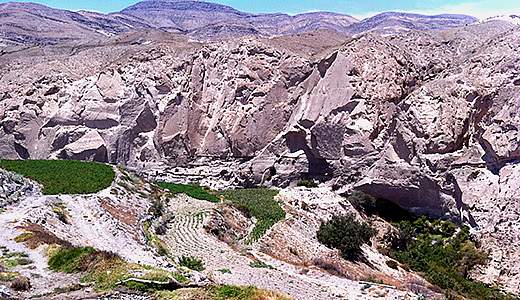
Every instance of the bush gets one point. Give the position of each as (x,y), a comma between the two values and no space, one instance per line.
(157,208)
(392,264)
(191,190)
(192,263)
(261,204)
(362,201)
(307,183)
(63,176)
(346,234)
(21,283)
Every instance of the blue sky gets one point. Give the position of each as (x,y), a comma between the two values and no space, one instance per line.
(357,8)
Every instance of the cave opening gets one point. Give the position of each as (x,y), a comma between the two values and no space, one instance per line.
(382,207)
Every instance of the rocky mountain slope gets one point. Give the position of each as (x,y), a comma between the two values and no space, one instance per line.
(28,23)
(425,119)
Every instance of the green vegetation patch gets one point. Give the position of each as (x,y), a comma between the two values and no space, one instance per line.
(444,254)
(260,265)
(63,176)
(261,204)
(192,263)
(11,263)
(346,234)
(70,260)
(191,190)
(307,183)
(10,260)
(225,292)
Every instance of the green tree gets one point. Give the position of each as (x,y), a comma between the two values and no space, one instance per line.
(346,234)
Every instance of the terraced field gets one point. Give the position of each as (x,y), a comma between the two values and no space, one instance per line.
(184,236)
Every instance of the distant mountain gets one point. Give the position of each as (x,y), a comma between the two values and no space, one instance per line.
(29,23)
(200,16)
(395,22)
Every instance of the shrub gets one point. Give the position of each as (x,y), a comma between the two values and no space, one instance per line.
(224,271)
(307,183)
(260,264)
(346,234)
(330,266)
(392,264)
(191,190)
(447,229)
(192,263)
(157,208)
(362,201)
(63,176)
(21,283)
(372,278)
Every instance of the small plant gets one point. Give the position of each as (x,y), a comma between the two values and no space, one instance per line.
(373,279)
(307,183)
(224,271)
(192,263)
(21,283)
(157,208)
(392,264)
(260,265)
(346,234)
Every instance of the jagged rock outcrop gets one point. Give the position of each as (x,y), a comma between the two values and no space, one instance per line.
(14,187)
(420,118)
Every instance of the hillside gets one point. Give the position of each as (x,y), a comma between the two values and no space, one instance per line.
(133,229)
(24,24)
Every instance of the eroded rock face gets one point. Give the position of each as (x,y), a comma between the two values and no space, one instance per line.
(415,118)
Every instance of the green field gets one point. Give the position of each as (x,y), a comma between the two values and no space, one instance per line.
(261,204)
(191,190)
(63,176)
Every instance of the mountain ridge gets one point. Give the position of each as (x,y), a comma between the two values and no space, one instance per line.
(30,23)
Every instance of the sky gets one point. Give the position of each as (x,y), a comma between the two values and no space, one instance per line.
(357,8)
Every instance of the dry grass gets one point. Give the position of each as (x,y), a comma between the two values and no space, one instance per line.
(36,235)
